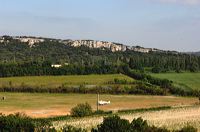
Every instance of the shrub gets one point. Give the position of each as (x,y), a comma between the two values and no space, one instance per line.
(101,112)
(69,128)
(22,123)
(16,123)
(156,69)
(188,129)
(113,124)
(156,129)
(138,125)
(81,110)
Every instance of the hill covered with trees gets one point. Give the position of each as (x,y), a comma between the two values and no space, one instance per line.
(18,59)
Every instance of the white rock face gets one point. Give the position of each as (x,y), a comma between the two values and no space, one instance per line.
(30,40)
(99,44)
(88,43)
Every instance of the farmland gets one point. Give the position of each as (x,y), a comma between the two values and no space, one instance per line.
(184,80)
(55,81)
(172,119)
(43,105)
(46,105)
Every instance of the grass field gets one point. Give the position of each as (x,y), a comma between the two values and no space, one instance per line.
(54,81)
(185,80)
(45,105)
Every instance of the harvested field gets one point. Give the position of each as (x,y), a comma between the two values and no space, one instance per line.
(171,119)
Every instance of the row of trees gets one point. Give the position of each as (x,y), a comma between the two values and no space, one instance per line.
(116,124)
(44,68)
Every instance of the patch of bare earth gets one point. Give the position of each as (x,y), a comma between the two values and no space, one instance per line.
(41,113)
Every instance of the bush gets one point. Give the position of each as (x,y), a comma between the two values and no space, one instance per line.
(69,128)
(101,112)
(113,124)
(16,123)
(22,123)
(156,69)
(188,129)
(81,110)
(138,125)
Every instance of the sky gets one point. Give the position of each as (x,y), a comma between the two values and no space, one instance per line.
(163,24)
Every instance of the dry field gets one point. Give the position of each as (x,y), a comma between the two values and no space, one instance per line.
(172,119)
(47,105)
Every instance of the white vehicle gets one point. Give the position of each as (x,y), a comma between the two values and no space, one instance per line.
(101,102)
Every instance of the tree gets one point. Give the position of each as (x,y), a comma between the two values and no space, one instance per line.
(138,125)
(194,67)
(116,124)
(81,110)
(156,69)
(113,124)
(188,129)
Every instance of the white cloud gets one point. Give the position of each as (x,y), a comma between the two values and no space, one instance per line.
(186,2)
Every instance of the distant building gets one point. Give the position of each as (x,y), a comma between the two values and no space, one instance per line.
(56,65)
(66,64)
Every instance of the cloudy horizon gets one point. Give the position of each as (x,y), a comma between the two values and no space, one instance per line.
(163,24)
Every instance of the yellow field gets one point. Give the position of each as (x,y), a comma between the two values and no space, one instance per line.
(173,119)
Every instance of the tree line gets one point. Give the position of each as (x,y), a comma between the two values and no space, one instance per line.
(45,68)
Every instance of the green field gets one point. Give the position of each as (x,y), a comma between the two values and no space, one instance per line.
(44,105)
(184,80)
(54,81)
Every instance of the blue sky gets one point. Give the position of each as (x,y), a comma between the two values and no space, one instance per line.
(164,24)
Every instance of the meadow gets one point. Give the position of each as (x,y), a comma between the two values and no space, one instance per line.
(183,80)
(55,81)
(47,105)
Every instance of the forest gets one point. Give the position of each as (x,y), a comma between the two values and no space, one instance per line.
(19,59)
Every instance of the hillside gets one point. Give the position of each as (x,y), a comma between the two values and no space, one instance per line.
(197,53)
(22,56)
(31,41)
(194,53)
